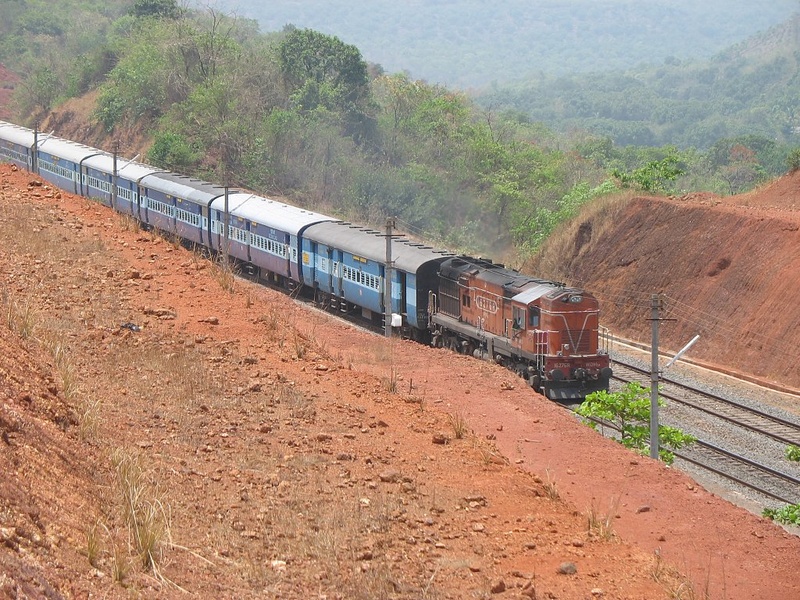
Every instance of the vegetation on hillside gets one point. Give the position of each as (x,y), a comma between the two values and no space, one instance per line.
(302,114)
(749,91)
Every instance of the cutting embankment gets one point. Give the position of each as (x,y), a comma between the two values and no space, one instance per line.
(728,269)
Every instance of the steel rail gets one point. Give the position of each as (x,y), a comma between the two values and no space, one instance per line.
(749,411)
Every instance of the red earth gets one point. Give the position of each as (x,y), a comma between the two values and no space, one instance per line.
(270,450)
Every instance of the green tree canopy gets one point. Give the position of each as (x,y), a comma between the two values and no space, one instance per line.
(322,71)
(155,8)
(628,412)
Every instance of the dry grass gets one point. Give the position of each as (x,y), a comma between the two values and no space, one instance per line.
(300,345)
(602,524)
(390,381)
(22,317)
(550,487)
(224,272)
(145,514)
(677,585)
(293,404)
(89,419)
(458,424)
(93,544)
(129,222)
(338,529)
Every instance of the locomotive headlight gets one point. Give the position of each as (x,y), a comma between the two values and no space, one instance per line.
(576,299)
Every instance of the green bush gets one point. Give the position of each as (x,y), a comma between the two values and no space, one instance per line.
(793,452)
(793,160)
(628,411)
(788,515)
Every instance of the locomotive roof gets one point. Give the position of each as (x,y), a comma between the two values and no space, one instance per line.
(182,186)
(16,134)
(272,213)
(533,293)
(368,243)
(516,285)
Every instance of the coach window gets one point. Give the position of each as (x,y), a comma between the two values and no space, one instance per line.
(533,316)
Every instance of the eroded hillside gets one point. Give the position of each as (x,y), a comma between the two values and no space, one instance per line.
(729,269)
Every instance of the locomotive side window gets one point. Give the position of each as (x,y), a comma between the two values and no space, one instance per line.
(465,300)
(533,316)
(519,317)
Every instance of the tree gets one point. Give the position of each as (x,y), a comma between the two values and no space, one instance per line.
(653,176)
(161,9)
(172,151)
(741,170)
(322,71)
(793,160)
(628,412)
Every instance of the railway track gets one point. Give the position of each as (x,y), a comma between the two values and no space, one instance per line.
(758,477)
(732,465)
(781,430)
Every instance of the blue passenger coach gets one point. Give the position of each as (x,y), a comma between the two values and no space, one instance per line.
(97,180)
(15,145)
(60,161)
(177,204)
(348,264)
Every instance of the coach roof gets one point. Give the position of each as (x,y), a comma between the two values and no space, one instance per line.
(271,213)
(368,243)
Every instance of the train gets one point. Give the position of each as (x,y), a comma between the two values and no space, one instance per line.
(546,332)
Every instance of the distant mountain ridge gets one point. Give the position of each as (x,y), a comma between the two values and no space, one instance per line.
(473,43)
(749,89)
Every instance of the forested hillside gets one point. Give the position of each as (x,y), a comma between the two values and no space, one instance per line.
(752,88)
(303,115)
(472,43)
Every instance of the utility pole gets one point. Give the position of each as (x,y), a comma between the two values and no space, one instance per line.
(226,223)
(34,166)
(114,177)
(387,279)
(656,305)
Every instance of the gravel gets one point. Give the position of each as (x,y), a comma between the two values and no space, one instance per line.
(758,448)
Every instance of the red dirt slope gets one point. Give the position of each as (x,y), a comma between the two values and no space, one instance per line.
(729,269)
(291,456)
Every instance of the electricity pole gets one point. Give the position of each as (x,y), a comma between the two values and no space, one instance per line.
(656,305)
(387,280)
(114,177)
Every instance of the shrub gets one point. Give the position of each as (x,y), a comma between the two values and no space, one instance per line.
(628,412)
(793,160)
(793,452)
(788,515)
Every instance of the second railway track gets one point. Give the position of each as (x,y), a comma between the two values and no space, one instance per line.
(741,441)
(783,430)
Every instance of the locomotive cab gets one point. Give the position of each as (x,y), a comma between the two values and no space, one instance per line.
(571,364)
